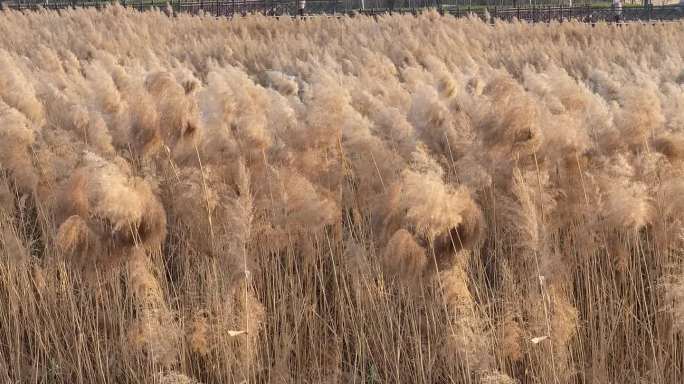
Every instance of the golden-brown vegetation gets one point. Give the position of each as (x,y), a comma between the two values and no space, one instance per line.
(402,200)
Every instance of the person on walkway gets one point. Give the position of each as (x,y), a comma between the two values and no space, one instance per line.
(301,4)
(617,10)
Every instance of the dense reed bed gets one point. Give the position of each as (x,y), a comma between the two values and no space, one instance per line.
(393,200)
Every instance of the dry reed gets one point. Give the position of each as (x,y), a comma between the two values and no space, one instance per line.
(401,199)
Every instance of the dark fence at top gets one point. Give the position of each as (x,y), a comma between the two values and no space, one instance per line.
(584,13)
(534,13)
(229,7)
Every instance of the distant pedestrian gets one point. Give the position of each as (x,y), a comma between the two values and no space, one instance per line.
(617,10)
(301,4)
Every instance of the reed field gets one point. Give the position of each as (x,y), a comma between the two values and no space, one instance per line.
(401,199)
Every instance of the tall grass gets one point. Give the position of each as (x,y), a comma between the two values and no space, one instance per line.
(408,199)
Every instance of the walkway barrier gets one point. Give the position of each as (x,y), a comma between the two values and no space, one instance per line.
(228,8)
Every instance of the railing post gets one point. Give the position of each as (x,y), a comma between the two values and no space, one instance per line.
(571,9)
(650,11)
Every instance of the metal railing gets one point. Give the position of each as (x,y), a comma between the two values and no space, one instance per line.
(584,13)
(541,13)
